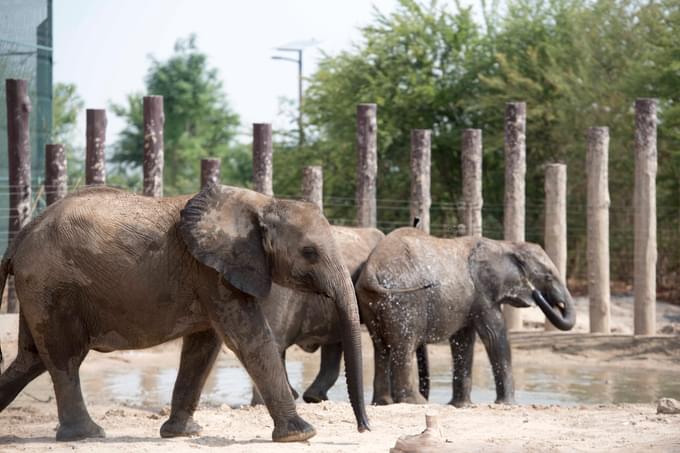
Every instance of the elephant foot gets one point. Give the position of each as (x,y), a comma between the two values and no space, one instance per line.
(79,431)
(314,396)
(382,400)
(176,427)
(460,403)
(416,398)
(294,429)
(509,400)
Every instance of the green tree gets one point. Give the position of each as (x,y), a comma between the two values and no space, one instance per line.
(66,106)
(198,122)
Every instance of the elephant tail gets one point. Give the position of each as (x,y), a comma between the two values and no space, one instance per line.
(4,273)
(423,371)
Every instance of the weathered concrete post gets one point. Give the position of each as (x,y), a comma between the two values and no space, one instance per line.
(421,151)
(56,179)
(262,158)
(312,185)
(19,161)
(644,285)
(154,119)
(367,164)
(515,173)
(597,158)
(210,171)
(95,158)
(471,162)
(556,220)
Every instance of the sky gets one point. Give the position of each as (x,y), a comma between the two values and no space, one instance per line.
(103,46)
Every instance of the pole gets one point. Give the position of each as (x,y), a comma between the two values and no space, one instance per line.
(644,285)
(95,158)
(471,160)
(367,164)
(262,158)
(556,220)
(421,144)
(19,161)
(312,185)
(301,136)
(597,157)
(154,119)
(210,171)
(515,173)
(56,179)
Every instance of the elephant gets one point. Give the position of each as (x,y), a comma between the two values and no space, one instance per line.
(310,320)
(417,289)
(107,270)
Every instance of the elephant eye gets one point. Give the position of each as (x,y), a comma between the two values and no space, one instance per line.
(310,253)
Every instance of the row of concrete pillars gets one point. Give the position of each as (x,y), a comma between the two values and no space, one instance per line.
(18,106)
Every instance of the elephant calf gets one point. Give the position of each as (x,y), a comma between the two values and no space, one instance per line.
(104,269)
(417,289)
(311,320)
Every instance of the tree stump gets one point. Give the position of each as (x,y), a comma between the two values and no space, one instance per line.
(429,441)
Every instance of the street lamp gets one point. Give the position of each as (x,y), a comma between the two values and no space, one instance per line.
(297,48)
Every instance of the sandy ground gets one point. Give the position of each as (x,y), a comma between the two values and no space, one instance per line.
(29,423)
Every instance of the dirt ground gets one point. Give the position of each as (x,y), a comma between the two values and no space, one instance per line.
(29,423)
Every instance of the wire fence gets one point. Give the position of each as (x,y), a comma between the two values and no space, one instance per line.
(446,221)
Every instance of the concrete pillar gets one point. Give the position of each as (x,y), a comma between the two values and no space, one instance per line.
(210,171)
(644,285)
(421,150)
(597,158)
(95,157)
(19,162)
(515,174)
(56,179)
(471,162)
(154,119)
(556,220)
(312,185)
(367,164)
(262,158)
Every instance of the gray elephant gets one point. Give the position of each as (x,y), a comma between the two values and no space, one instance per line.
(310,320)
(104,269)
(417,289)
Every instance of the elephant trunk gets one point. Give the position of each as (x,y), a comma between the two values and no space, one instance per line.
(559,308)
(348,312)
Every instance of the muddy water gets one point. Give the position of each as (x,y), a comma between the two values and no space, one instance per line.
(140,382)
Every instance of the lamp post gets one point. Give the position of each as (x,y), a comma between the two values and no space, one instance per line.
(297,48)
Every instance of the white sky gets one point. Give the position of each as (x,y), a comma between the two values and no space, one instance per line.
(103,45)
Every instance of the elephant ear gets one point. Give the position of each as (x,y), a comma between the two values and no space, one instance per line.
(221,227)
(496,270)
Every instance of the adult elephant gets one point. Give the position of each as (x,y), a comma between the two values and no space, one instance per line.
(417,289)
(104,269)
(311,320)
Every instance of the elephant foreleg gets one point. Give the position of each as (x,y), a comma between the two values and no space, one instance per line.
(331,356)
(462,351)
(199,351)
(491,329)
(257,397)
(247,330)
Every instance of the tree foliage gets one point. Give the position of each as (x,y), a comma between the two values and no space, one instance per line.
(576,64)
(198,121)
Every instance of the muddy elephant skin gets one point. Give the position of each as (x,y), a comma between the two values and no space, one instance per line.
(104,269)
(311,320)
(417,289)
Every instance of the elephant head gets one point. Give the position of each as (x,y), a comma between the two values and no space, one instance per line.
(518,273)
(253,240)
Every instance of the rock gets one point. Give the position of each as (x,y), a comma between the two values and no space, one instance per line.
(668,406)
(429,441)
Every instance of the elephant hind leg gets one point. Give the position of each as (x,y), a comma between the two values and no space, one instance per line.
(199,352)
(404,385)
(462,352)
(27,366)
(63,343)
(331,356)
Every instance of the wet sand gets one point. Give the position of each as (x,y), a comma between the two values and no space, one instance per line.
(28,424)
